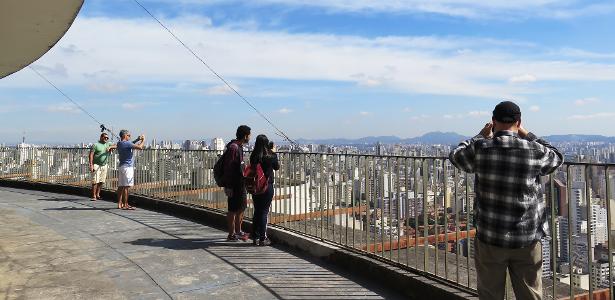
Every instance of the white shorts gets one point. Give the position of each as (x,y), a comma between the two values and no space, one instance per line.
(126,176)
(100,174)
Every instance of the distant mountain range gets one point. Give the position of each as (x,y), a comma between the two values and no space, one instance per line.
(428,138)
(444,138)
(579,138)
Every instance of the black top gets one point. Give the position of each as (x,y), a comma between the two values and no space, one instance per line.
(269,164)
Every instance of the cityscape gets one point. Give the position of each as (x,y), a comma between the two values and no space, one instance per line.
(364,101)
(406,203)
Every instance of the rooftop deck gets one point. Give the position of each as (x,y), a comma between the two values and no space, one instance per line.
(57,246)
(413,214)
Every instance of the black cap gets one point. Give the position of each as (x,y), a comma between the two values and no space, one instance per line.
(507,112)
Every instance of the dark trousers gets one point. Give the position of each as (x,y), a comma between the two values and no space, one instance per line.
(262,203)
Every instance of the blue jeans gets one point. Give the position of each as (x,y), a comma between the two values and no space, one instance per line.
(262,203)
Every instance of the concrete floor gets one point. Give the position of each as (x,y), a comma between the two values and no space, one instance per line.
(55,246)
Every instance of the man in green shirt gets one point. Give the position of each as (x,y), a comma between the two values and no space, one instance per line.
(99,155)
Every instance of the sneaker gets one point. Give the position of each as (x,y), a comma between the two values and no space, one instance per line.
(242,236)
(265,242)
(231,238)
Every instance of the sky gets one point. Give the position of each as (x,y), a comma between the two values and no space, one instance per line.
(320,69)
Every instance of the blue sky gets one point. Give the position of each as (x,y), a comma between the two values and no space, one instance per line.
(321,69)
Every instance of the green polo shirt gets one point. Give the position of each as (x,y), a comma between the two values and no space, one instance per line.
(101,153)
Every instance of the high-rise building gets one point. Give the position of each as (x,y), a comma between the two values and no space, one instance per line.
(561,228)
(600,274)
(217,144)
(577,198)
(546,258)
(598,225)
(561,197)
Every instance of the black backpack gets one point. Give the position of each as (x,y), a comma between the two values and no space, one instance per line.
(219,169)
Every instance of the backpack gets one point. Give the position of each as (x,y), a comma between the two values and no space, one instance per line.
(255,180)
(219,170)
(219,167)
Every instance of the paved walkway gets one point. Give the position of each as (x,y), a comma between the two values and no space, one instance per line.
(55,246)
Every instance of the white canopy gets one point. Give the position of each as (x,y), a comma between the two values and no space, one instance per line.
(29,28)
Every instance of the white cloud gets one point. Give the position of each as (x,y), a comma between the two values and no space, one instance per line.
(592,116)
(579,53)
(407,109)
(471,114)
(107,87)
(63,108)
(420,117)
(370,82)
(222,89)
(285,110)
(365,113)
(479,114)
(137,105)
(125,49)
(459,8)
(525,78)
(585,101)
(59,69)
(534,108)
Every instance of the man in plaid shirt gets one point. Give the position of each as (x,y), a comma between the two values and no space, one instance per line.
(509,211)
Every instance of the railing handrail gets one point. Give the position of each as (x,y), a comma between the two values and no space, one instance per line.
(566,163)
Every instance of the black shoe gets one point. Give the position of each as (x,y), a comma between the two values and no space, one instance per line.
(265,242)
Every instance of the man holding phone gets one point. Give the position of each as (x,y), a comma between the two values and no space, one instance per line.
(509,211)
(126,170)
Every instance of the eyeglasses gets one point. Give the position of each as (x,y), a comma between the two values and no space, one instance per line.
(105,137)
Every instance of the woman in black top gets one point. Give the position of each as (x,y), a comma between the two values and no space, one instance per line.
(263,154)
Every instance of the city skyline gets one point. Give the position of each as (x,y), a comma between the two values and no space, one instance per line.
(323,69)
(382,203)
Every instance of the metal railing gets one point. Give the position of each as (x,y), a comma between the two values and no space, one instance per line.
(414,212)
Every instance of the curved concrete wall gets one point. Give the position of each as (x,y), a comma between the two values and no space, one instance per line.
(29,28)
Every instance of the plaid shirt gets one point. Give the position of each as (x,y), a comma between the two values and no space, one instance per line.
(509,210)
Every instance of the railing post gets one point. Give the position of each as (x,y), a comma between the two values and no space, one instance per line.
(553,236)
(398,207)
(407,217)
(456,208)
(590,247)
(570,244)
(608,216)
(467,185)
(425,217)
(445,214)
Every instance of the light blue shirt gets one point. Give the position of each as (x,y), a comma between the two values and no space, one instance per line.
(124,150)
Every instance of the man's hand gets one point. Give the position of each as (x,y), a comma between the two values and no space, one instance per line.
(91,168)
(486,131)
(142,137)
(522,132)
